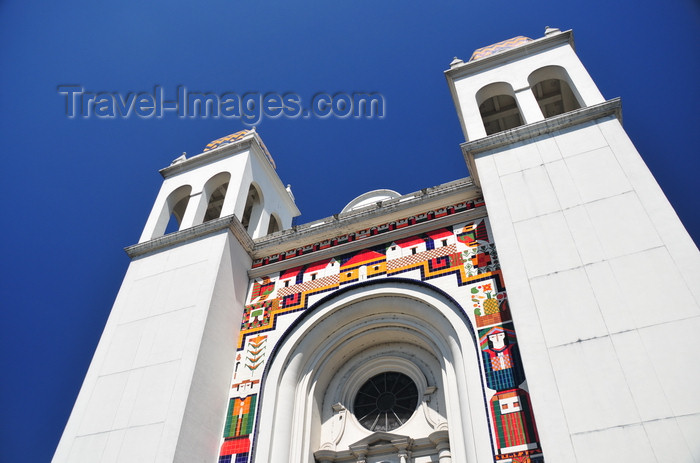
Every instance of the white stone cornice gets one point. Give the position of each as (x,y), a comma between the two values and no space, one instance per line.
(230,222)
(491,61)
(364,243)
(536,129)
(407,205)
(400,208)
(206,157)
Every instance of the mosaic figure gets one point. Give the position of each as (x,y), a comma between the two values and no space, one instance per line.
(502,364)
(513,423)
(239,425)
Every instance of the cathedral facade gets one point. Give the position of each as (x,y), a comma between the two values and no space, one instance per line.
(523,314)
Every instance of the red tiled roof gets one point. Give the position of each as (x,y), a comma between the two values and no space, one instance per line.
(320,265)
(363,256)
(292,272)
(437,234)
(408,242)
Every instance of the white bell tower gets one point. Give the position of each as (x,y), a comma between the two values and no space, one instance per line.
(163,366)
(603,279)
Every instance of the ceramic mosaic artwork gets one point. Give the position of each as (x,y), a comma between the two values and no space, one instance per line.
(459,259)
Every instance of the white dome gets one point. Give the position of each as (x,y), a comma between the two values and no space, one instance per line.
(369,198)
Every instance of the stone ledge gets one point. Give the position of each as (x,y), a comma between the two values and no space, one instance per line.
(536,129)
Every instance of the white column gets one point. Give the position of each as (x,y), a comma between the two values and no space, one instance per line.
(529,109)
(441,439)
(194,203)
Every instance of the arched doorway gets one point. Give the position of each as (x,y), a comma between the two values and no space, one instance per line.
(407,334)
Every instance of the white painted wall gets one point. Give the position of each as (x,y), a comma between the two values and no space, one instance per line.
(604,286)
(162,369)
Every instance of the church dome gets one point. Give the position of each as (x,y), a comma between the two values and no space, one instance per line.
(371,197)
(483,52)
(226,140)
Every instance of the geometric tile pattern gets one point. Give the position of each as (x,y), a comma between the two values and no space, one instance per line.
(228,139)
(461,257)
(361,234)
(225,140)
(256,352)
(499,47)
(239,419)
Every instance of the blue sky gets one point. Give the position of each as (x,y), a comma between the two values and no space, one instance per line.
(76,191)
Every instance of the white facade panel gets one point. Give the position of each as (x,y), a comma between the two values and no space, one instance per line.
(584,234)
(548,148)
(547,245)
(592,385)
(523,156)
(658,298)
(597,175)
(622,225)
(563,183)
(616,308)
(615,445)
(679,376)
(580,139)
(643,381)
(689,426)
(567,308)
(529,193)
(667,441)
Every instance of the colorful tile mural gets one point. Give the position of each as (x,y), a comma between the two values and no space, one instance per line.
(461,257)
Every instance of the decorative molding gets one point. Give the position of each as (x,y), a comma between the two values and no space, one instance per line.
(211,227)
(394,235)
(529,48)
(207,157)
(350,222)
(526,132)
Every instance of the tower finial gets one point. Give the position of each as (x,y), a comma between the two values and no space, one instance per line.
(179,159)
(456,62)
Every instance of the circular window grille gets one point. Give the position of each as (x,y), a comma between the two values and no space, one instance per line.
(386,401)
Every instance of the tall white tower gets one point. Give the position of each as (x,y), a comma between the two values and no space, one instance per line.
(603,279)
(166,356)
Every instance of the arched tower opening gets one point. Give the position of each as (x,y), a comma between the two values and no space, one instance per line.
(274,225)
(553,91)
(498,108)
(216,189)
(173,211)
(252,209)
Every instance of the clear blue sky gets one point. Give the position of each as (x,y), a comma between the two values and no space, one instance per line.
(74,192)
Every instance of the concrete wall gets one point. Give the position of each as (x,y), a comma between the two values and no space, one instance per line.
(162,369)
(604,284)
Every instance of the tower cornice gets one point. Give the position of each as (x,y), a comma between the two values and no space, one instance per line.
(536,129)
(230,222)
(530,48)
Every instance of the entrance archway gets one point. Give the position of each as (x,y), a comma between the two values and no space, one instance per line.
(307,404)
